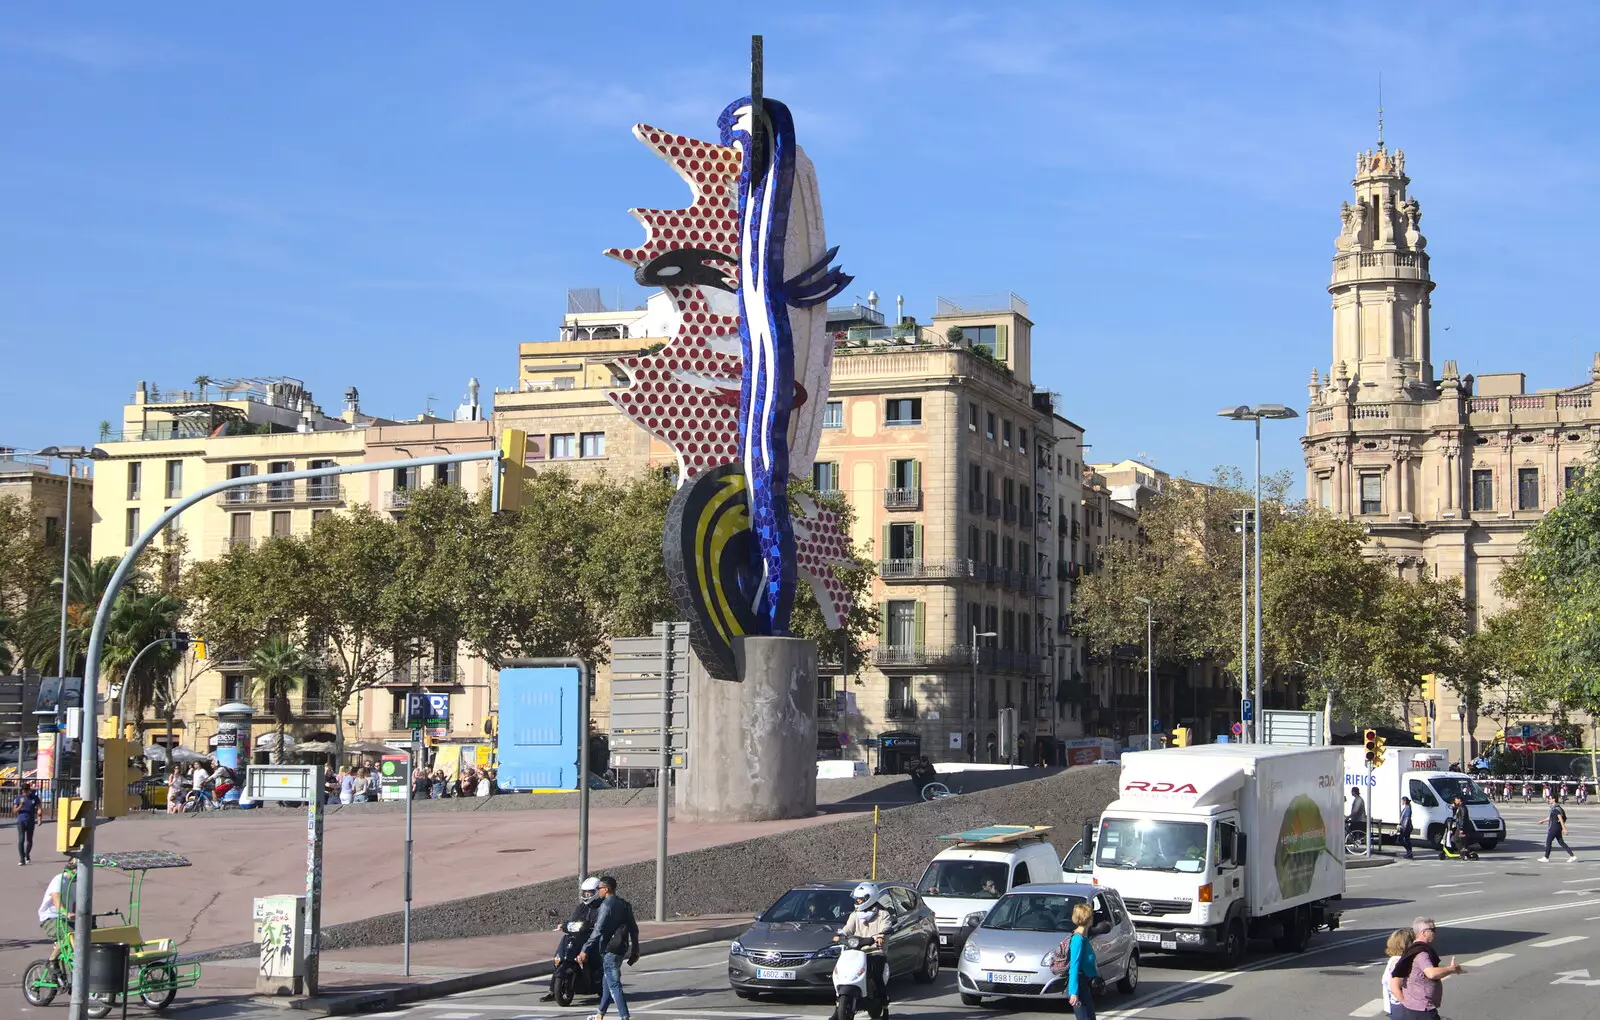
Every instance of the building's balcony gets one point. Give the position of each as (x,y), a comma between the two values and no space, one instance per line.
(1061,525)
(975,501)
(1010,513)
(281,494)
(993,506)
(440,674)
(1025,517)
(902,499)
(887,657)
(918,569)
(396,499)
(827,708)
(900,708)
(240,542)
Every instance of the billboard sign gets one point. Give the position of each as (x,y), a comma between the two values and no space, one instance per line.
(536,741)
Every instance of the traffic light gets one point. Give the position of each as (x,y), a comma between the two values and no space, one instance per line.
(200,650)
(180,641)
(1430,687)
(73,816)
(1369,739)
(1419,729)
(512,468)
(1377,758)
(1181,736)
(114,778)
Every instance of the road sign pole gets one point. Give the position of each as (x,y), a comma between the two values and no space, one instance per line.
(1369,807)
(411,783)
(664,773)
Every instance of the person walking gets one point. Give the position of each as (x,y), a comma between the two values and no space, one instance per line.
(1418,977)
(1399,941)
(616,937)
(27,810)
(1405,826)
(1556,829)
(1082,970)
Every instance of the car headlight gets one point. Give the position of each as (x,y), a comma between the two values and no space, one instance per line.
(974,919)
(969,953)
(826,952)
(735,949)
(1047,959)
(1188,936)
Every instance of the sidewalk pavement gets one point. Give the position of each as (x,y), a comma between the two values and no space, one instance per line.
(372,978)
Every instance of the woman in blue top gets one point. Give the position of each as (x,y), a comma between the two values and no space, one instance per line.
(1081,964)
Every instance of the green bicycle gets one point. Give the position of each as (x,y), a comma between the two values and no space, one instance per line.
(154,973)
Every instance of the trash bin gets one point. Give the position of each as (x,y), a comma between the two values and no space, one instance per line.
(108,968)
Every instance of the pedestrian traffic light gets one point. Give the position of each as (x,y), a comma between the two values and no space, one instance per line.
(180,641)
(512,468)
(114,778)
(1419,729)
(1369,739)
(1181,736)
(73,815)
(1377,758)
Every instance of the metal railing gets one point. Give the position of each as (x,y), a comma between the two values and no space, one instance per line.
(920,656)
(975,501)
(900,708)
(909,569)
(993,506)
(281,494)
(827,708)
(413,673)
(902,499)
(1010,513)
(396,499)
(1025,517)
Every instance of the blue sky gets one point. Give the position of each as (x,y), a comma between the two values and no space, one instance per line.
(393,196)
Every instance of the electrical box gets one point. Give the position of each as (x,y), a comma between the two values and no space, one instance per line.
(279,923)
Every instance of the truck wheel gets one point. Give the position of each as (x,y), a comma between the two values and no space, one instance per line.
(1436,836)
(1233,944)
(1296,932)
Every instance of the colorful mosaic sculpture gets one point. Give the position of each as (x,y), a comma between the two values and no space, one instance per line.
(740,390)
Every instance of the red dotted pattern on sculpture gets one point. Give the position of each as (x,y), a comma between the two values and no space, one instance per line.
(699,424)
(820,547)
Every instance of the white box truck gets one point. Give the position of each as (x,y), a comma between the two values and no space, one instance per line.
(1423,774)
(1213,845)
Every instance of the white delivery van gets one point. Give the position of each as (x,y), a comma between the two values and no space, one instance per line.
(966,879)
(1216,844)
(1423,774)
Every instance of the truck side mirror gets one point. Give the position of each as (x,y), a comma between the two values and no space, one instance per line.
(1239,842)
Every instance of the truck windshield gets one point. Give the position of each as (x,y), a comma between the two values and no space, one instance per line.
(1150,844)
(970,880)
(1451,788)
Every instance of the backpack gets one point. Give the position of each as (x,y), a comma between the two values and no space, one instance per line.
(1063,960)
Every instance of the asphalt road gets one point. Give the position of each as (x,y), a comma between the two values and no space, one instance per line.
(1525,931)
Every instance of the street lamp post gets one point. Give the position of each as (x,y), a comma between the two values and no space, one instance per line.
(972,752)
(1149,672)
(1246,413)
(70,454)
(1246,729)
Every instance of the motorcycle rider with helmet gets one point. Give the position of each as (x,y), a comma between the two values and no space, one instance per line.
(584,913)
(870,921)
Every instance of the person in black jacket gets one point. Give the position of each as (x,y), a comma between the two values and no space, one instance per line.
(584,913)
(616,937)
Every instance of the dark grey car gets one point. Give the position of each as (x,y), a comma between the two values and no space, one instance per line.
(791,949)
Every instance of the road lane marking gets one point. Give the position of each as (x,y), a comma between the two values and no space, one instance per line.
(1565,940)
(1485,960)
(1575,881)
(1168,994)
(1452,885)
(1377,1007)
(1469,892)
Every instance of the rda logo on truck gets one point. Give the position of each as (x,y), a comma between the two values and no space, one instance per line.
(1161,787)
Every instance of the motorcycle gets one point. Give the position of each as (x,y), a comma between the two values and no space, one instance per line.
(850,980)
(571,978)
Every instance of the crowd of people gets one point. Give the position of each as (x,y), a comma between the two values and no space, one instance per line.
(212,783)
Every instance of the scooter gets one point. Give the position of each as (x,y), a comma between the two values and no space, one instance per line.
(850,980)
(572,978)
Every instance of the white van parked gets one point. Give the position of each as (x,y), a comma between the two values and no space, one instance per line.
(964,881)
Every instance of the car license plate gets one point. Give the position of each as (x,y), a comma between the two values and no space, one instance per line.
(944,940)
(768,974)
(1006,977)
(1149,936)
(1169,945)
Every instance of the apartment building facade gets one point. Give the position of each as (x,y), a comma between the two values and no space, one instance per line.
(42,481)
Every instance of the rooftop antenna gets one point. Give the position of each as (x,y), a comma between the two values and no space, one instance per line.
(1380,109)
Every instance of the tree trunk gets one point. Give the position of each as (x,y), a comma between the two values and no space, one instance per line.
(1327,717)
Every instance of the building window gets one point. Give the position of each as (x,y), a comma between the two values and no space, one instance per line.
(974,619)
(825,475)
(903,411)
(593,444)
(1005,433)
(1325,492)
(975,479)
(1572,477)
(1483,490)
(974,543)
(972,417)
(1008,549)
(135,475)
(1372,494)
(1527,488)
(238,529)
(1009,487)
(280,492)
(991,622)
(833,415)
(902,615)
(980,337)
(1022,441)
(561,446)
(235,687)
(988,425)
(318,515)
(991,550)
(131,531)
(446,474)
(52,528)
(1008,629)
(280,524)
(902,474)
(902,541)
(407,479)
(321,489)
(174,479)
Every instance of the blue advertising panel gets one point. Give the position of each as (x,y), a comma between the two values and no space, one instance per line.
(536,742)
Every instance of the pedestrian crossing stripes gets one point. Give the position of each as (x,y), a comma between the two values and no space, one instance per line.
(1563,941)
(1488,958)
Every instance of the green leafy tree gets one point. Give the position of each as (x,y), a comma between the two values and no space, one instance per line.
(27,565)
(39,630)
(278,669)
(138,619)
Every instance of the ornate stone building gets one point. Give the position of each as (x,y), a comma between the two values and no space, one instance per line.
(1446,472)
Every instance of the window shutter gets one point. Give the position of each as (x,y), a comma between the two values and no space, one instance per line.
(916,474)
(916,542)
(921,624)
(883,624)
(887,550)
(1002,346)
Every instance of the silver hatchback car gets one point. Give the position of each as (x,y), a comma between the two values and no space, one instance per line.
(1008,954)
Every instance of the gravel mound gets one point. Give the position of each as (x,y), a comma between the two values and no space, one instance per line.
(746,877)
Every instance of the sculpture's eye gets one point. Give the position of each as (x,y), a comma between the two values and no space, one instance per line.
(686,267)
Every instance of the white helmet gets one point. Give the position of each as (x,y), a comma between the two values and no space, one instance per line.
(588,887)
(863,895)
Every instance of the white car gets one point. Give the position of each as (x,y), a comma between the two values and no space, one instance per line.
(1008,954)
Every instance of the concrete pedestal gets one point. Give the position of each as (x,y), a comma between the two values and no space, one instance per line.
(752,753)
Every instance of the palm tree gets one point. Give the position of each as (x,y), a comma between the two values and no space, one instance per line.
(279,667)
(202,383)
(38,630)
(6,637)
(136,620)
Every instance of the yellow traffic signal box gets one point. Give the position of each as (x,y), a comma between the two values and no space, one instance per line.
(1181,736)
(512,468)
(1369,740)
(73,817)
(114,778)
